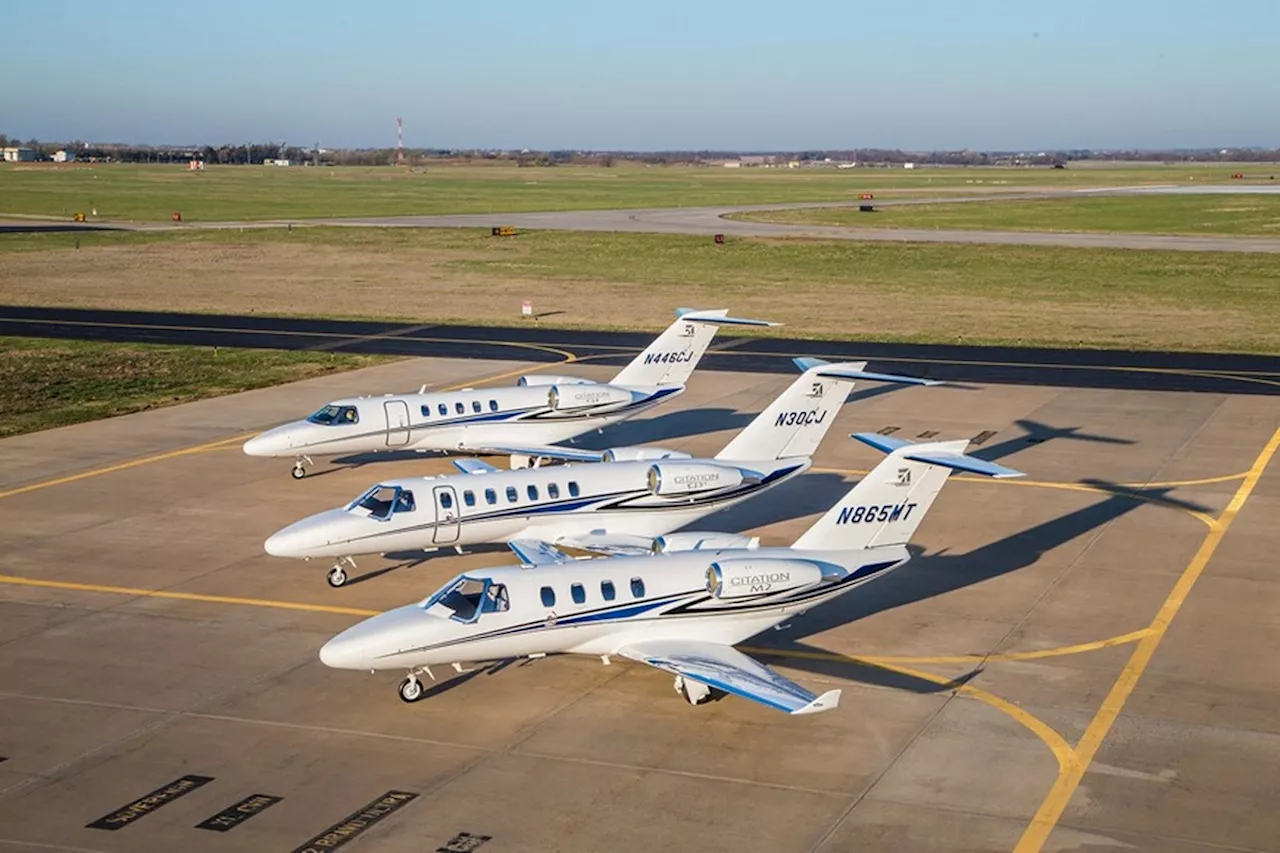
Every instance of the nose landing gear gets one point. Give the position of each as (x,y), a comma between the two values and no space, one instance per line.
(299,471)
(411,689)
(337,575)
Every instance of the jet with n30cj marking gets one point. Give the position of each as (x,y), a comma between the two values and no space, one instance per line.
(537,410)
(619,503)
(682,612)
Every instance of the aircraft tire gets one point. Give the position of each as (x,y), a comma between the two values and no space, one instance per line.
(336,577)
(411,690)
(299,472)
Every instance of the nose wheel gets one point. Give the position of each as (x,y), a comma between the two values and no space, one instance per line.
(299,470)
(411,689)
(338,575)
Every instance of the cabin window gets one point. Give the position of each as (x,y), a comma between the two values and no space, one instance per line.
(548,597)
(637,588)
(446,500)
(512,495)
(335,416)
(493,405)
(475,405)
(426,411)
(469,498)
(459,408)
(443,409)
(553,491)
(532,491)
(579,594)
(607,592)
(490,496)
(573,488)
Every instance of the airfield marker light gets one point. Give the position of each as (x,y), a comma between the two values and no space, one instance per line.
(719,239)
(177,217)
(526,308)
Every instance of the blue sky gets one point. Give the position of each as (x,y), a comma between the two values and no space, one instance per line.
(984,74)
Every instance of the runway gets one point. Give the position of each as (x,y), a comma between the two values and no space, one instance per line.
(1145,371)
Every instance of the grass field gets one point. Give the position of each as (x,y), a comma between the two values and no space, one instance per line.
(833,289)
(1255,214)
(153,193)
(54,383)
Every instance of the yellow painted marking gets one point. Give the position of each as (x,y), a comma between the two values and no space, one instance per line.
(132,463)
(1051,809)
(222,442)
(185,596)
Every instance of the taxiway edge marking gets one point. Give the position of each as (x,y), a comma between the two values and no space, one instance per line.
(1056,801)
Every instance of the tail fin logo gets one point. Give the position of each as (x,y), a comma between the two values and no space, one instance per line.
(904,477)
(818,390)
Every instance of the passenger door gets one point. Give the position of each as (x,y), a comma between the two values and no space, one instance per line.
(448,515)
(397,422)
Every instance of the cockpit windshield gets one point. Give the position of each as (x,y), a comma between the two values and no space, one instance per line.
(332,415)
(467,598)
(382,501)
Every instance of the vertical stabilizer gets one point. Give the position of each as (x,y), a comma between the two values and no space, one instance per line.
(673,355)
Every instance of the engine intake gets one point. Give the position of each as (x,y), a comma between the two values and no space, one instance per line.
(747,577)
(694,540)
(684,478)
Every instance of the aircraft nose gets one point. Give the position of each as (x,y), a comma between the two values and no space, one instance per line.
(307,537)
(373,643)
(343,652)
(273,442)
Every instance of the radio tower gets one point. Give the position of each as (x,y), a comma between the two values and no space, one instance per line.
(399,141)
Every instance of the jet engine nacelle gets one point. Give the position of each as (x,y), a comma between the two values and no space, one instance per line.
(641,454)
(589,395)
(746,577)
(537,380)
(684,478)
(694,540)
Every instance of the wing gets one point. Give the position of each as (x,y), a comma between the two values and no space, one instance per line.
(610,544)
(725,668)
(568,454)
(473,466)
(535,552)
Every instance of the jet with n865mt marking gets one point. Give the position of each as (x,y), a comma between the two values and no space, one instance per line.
(617,504)
(680,612)
(538,410)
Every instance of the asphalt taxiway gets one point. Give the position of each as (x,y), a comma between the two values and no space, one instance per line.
(1209,372)
(1084,660)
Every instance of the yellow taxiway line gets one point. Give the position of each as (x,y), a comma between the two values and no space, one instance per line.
(1055,803)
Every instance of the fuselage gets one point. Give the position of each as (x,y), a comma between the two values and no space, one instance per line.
(547,503)
(470,420)
(599,606)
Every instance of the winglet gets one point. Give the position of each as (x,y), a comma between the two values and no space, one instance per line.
(826,702)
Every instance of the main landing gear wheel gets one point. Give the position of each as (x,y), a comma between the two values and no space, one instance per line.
(337,577)
(411,689)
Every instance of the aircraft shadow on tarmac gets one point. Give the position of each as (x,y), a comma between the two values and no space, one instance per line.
(931,575)
(1034,432)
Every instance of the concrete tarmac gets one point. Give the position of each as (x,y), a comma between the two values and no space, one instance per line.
(1084,660)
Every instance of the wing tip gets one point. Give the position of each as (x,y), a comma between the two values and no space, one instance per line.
(826,702)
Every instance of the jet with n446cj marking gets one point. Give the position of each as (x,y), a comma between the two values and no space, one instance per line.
(538,410)
(681,612)
(619,503)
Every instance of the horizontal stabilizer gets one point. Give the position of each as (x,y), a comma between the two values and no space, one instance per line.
(535,552)
(718,317)
(552,451)
(473,466)
(857,370)
(725,668)
(937,456)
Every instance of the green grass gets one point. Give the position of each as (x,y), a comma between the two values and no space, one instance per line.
(1257,214)
(153,193)
(47,384)
(822,289)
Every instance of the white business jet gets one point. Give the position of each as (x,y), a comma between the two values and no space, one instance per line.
(617,504)
(680,612)
(537,410)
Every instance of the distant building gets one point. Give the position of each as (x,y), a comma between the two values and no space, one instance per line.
(64,156)
(18,155)
(275,162)
(908,165)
